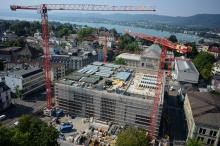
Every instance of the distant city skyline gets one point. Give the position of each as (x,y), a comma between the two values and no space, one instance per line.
(163,7)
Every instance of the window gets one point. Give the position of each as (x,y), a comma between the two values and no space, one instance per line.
(200,138)
(210,141)
(202,131)
(212,133)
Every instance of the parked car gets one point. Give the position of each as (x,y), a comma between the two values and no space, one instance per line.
(2,117)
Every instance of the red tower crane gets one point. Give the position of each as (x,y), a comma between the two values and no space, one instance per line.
(44,8)
(166,45)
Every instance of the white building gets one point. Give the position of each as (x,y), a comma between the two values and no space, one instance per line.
(149,58)
(27,81)
(5,96)
(185,71)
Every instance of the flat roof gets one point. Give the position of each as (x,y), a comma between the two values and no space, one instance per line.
(186,66)
(129,56)
(26,73)
(134,81)
(205,107)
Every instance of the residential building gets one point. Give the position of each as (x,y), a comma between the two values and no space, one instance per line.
(25,80)
(5,96)
(185,71)
(203,116)
(9,36)
(149,58)
(14,54)
(214,51)
(74,62)
(107,37)
(216,68)
(127,100)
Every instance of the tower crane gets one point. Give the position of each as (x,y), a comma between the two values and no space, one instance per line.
(44,8)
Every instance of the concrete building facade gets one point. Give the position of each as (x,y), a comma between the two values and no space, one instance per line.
(203,117)
(26,81)
(74,62)
(149,58)
(5,96)
(185,71)
(128,101)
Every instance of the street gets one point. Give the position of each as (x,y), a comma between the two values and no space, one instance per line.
(29,105)
(173,121)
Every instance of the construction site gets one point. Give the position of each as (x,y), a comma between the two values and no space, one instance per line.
(123,95)
(111,93)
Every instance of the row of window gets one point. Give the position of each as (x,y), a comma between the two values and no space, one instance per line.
(209,141)
(212,133)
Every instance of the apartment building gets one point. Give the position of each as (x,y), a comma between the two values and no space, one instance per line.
(111,93)
(203,116)
(25,80)
(57,71)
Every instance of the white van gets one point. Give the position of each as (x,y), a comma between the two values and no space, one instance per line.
(2,117)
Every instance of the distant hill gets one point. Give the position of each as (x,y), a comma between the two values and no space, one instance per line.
(200,20)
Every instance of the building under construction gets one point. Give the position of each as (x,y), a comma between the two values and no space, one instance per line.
(113,93)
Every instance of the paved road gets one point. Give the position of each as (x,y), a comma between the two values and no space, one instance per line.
(173,119)
(29,105)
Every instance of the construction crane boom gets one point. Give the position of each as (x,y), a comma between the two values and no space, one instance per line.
(44,8)
(83,7)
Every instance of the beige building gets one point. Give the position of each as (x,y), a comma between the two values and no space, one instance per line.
(57,71)
(203,116)
(149,58)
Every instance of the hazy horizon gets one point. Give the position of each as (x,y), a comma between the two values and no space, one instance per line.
(165,8)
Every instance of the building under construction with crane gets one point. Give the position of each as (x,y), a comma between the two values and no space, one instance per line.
(113,93)
(124,95)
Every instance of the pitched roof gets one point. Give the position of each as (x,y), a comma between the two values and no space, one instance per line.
(153,51)
(214,49)
(205,108)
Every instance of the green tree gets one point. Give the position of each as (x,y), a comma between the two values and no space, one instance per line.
(84,32)
(128,43)
(173,39)
(18,92)
(29,131)
(120,61)
(194,142)
(194,52)
(132,137)
(203,62)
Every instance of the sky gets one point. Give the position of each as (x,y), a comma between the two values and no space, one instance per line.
(163,7)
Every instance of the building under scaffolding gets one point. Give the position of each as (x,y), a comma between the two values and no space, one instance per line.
(112,93)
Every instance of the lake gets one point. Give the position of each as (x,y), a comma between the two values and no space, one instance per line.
(119,28)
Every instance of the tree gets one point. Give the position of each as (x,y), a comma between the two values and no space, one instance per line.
(18,92)
(128,43)
(132,137)
(194,142)
(173,39)
(203,63)
(194,52)
(29,131)
(84,32)
(120,61)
